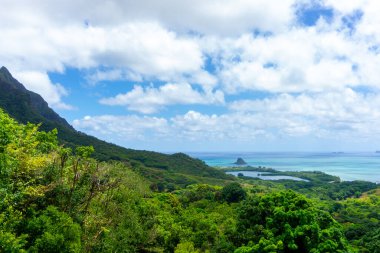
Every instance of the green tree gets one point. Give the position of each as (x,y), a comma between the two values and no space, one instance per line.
(54,231)
(288,222)
(233,192)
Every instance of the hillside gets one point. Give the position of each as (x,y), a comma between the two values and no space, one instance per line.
(26,106)
(53,201)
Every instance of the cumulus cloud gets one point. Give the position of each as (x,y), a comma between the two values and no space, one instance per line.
(123,127)
(35,41)
(347,113)
(148,49)
(40,83)
(209,53)
(150,99)
(304,59)
(336,117)
(212,16)
(191,126)
(347,6)
(143,48)
(139,42)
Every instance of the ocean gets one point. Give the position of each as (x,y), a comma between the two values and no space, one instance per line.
(347,166)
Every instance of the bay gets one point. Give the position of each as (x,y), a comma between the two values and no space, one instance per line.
(263,175)
(347,166)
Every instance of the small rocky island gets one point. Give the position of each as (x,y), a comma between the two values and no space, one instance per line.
(240,161)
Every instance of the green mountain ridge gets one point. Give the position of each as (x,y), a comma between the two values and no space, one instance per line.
(26,106)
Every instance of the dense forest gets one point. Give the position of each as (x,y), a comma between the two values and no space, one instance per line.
(55,198)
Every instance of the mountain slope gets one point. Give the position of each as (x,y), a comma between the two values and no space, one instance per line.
(26,106)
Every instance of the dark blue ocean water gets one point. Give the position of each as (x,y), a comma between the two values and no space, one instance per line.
(348,166)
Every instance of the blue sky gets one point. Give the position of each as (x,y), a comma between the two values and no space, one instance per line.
(243,75)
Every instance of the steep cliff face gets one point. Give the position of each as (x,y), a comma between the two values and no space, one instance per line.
(27,106)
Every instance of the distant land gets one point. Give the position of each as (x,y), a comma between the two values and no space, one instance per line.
(348,166)
(240,161)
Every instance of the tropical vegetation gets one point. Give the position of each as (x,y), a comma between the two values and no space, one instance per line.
(55,198)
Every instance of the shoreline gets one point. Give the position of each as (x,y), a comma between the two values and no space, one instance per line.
(348,166)
(308,175)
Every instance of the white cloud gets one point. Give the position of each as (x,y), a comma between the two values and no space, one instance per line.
(150,99)
(116,128)
(346,113)
(197,126)
(111,75)
(203,51)
(346,116)
(144,48)
(346,6)
(150,50)
(105,75)
(212,16)
(34,41)
(41,84)
(303,59)
(153,42)
(191,126)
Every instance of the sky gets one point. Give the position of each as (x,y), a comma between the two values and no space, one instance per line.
(204,75)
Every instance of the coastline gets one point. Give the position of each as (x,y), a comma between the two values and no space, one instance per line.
(362,166)
(272,174)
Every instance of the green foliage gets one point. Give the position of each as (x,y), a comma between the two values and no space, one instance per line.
(22,160)
(197,224)
(53,231)
(320,185)
(361,220)
(185,247)
(233,192)
(288,222)
(84,152)
(331,191)
(197,192)
(9,242)
(52,201)
(55,200)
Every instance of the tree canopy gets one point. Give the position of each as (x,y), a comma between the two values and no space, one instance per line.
(56,199)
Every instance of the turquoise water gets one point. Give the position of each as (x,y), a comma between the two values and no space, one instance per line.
(347,166)
(263,175)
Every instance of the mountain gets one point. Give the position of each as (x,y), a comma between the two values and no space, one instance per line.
(27,106)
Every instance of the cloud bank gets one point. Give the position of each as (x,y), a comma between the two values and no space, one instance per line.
(274,69)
